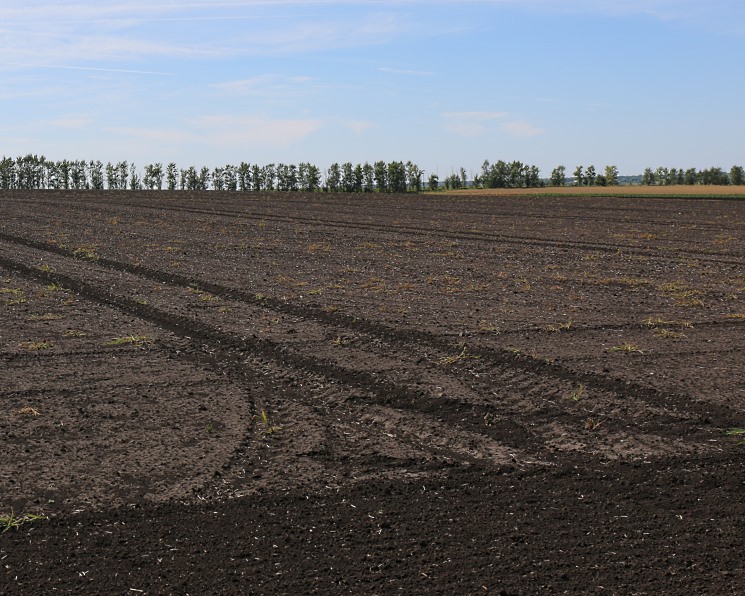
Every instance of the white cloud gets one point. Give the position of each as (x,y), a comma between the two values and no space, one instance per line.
(325,33)
(470,124)
(155,135)
(474,124)
(66,34)
(119,70)
(522,130)
(227,131)
(257,130)
(402,71)
(71,122)
(358,126)
(268,85)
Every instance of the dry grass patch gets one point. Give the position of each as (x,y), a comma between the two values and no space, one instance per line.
(35,346)
(46,317)
(627,348)
(132,340)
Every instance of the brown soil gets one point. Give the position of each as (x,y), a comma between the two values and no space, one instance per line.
(276,393)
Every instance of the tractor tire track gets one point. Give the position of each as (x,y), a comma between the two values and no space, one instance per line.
(405,338)
(460,235)
(232,349)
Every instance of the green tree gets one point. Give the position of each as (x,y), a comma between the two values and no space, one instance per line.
(243,175)
(397,176)
(153,176)
(533,177)
(217,178)
(333,178)
(413,177)
(112,177)
(230,177)
(590,176)
(79,174)
(123,174)
(662,176)
(737,176)
(171,176)
(135,183)
(433,182)
(314,178)
(347,177)
(192,178)
(558,176)
(380,170)
(64,172)
(516,175)
(611,175)
(714,176)
(282,177)
(257,177)
(7,173)
(292,178)
(96,172)
(158,174)
(579,177)
(359,178)
(268,174)
(204,178)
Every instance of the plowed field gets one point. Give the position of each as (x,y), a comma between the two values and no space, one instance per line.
(282,393)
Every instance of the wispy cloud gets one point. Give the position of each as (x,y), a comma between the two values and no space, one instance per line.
(226,131)
(268,85)
(120,70)
(470,124)
(323,34)
(41,11)
(257,130)
(155,135)
(70,122)
(36,31)
(721,15)
(358,126)
(77,46)
(522,130)
(403,71)
(57,34)
(474,124)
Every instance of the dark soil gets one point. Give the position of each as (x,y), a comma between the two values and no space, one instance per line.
(281,393)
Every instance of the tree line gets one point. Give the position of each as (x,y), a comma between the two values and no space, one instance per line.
(714,176)
(660,177)
(37,172)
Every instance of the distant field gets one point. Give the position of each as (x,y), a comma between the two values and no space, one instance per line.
(604,191)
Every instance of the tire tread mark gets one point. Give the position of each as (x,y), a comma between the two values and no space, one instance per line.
(273,351)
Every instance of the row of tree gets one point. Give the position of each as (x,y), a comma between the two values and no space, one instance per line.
(585,176)
(35,172)
(670,176)
(660,177)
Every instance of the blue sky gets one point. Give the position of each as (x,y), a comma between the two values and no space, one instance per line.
(632,83)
